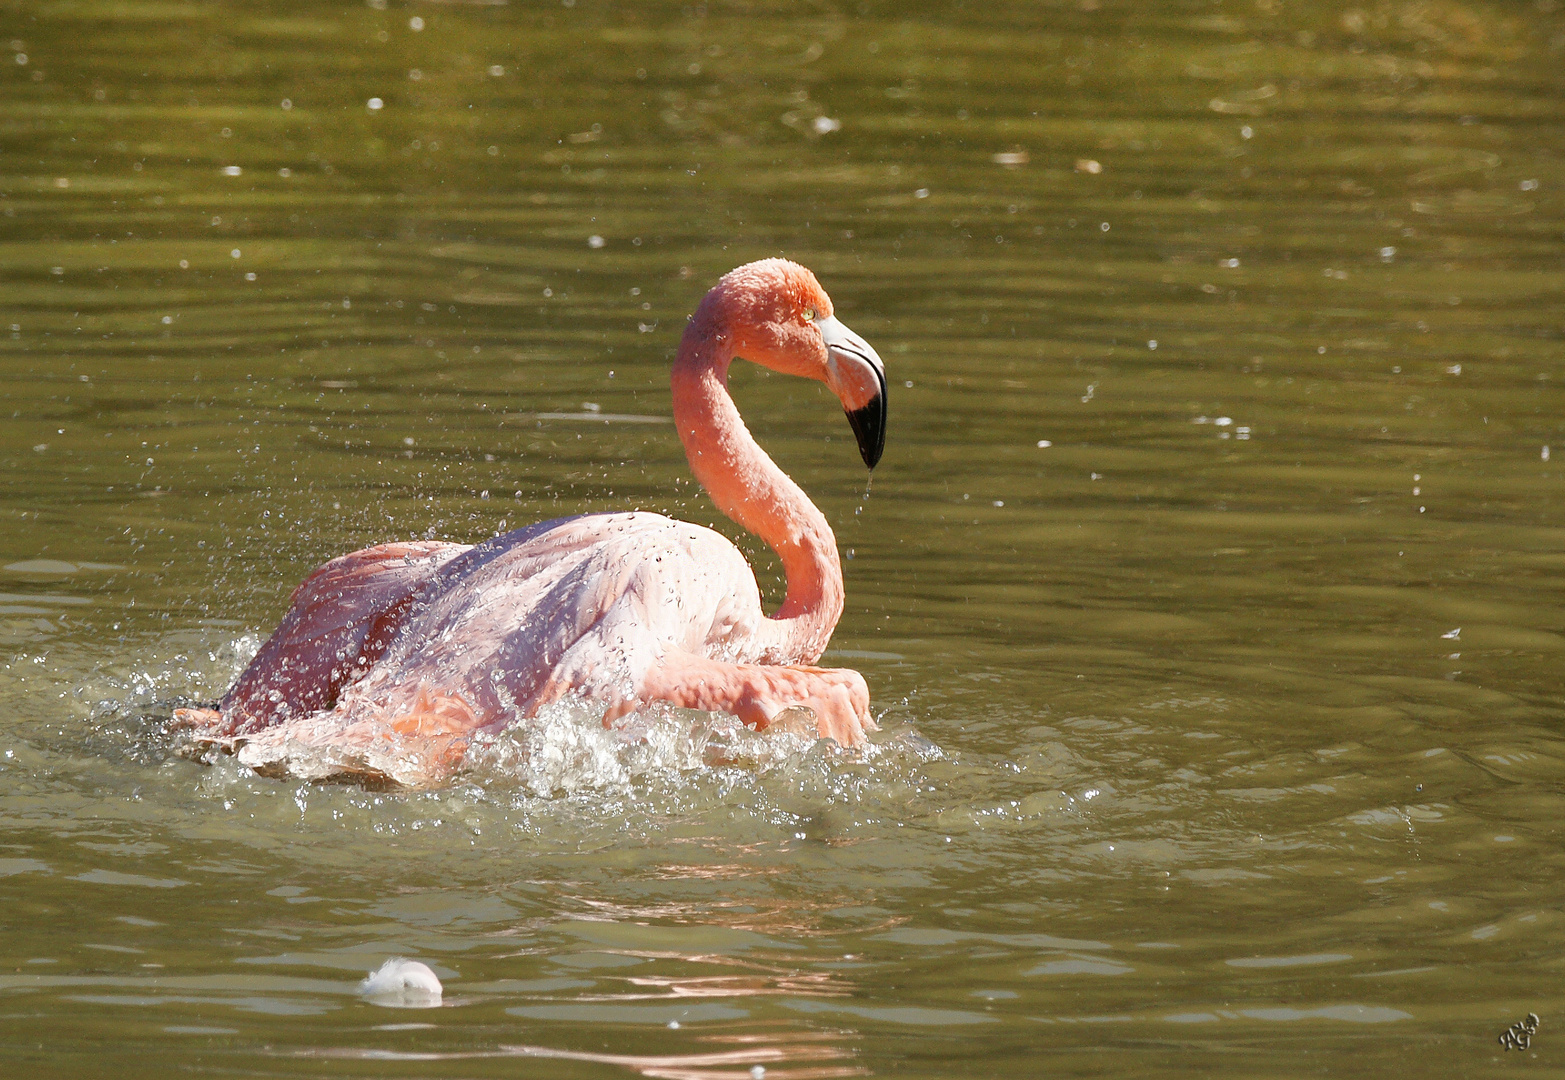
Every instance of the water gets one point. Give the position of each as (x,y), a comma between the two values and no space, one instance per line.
(1220,735)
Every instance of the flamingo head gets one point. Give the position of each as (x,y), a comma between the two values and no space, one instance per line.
(776,314)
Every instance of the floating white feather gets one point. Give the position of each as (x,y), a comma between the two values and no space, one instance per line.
(403,983)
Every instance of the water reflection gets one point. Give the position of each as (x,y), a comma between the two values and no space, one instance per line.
(760,979)
(774,1055)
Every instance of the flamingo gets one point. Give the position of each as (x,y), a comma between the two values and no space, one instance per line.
(409,650)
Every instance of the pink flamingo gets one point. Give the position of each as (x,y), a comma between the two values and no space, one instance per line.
(413,648)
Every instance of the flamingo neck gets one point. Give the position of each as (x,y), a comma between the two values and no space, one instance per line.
(748,486)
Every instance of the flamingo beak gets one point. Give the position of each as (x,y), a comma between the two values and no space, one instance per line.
(857,376)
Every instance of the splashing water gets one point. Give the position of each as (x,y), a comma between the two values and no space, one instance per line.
(564,749)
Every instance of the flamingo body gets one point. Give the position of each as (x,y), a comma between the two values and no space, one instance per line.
(424,645)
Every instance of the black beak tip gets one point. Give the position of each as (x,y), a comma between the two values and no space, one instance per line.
(869,427)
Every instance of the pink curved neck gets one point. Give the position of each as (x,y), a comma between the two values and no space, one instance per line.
(748,486)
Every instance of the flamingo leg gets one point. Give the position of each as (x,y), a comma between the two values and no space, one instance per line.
(758,693)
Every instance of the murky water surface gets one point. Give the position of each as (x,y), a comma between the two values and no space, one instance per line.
(1210,591)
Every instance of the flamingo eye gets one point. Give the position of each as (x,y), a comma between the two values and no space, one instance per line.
(809,314)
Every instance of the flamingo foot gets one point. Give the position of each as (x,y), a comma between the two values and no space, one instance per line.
(831,702)
(197,718)
(794,720)
(436,715)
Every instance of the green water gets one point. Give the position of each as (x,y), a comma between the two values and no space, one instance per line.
(1221,735)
